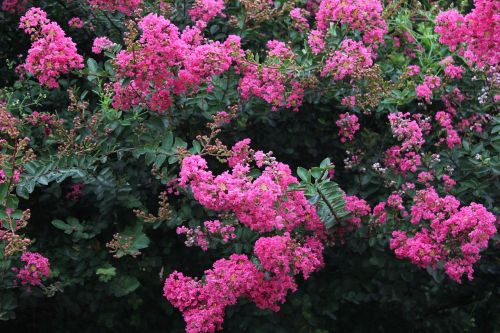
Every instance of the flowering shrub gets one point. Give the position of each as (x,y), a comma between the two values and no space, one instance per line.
(150,144)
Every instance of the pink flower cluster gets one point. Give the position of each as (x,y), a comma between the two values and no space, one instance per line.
(358,209)
(36,267)
(349,101)
(46,121)
(364,16)
(76,22)
(272,83)
(452,138)
(127,7)
(425,177)
(425,90)
(449,183)
(212,230)
(203,303)
(239,153)
(413,70)
(407,130)
(262,204)
(351,57)
(393,205)
(203,11)
(406,157)
(446,233)
(52,53)
(14,6)
(101,44)
(265,205)
(16,176)
(348,126)
(299,21)
(453,71)
(478,30)
(316,41)
(282,255)
(402,161)
(164,62)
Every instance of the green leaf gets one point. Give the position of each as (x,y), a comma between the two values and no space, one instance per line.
(331,204)
(106,273)
(4,188)
(304,174)
(60,225)
(92,65)
(124,285)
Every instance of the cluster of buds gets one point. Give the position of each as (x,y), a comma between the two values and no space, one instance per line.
(164,211)
(14,153)
(121,245)
(14,242)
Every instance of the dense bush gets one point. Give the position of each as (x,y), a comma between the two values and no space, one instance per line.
(251,166)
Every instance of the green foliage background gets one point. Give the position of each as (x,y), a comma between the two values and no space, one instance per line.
(363,287)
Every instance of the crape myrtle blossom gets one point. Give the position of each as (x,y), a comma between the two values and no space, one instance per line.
(76,22)
(52,53)
(478,31)
(35,269)
(14,6)
(299,21)
(262,204)
(348,126)
(165,62)
(445,233)
(203,11)
(127,7)
(452,139)
(274,83)
(350,58)
(364,16)
(425,90)
(102,44)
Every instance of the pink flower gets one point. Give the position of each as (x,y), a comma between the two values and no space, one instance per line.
(413,70)
(358,209)
(316,41)
(76,22)
(274,85)
(478,30)
(299,21)
(349,101)
(348,126)
(264,204)
(379,213)
(361,15)
(14,6)
(203,11)
(449,183)
(350,58)
(240,153)
(453,72)
(52,53)
(423,91)
(402,161)
(450,235)
(124,6)
(407,130)
(452,139)
(164,63)
(36,267)
(101,44)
